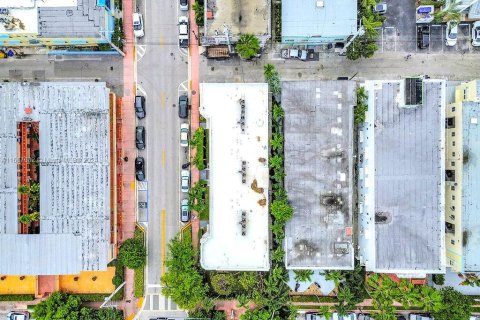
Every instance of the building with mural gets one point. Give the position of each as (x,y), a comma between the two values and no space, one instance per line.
(59,24)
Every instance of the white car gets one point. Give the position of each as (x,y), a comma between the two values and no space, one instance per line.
(184,135)
(476,34)
(380,8)
(185,185)
(183,32)
(138,25)
(18,315)
(451,34)
(350,316)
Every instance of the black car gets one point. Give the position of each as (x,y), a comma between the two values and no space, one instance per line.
(140,137)
(423,36)
(140,107)
(183,106)
(140,168)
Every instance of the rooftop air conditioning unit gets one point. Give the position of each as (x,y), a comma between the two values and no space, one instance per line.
(320,4)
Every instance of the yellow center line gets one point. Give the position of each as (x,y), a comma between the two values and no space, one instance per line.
(162,40)
(163,241)
(162,99)
(163,158)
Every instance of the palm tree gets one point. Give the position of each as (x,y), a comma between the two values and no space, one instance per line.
(431,299)
(268,70)
(25,219)
(325,311)
(276,162)
(280,194)
(23,189)
(277,141)
(247,46)
(370,25)
(277,230)
(334,275)
(278,254)
(278,175)
(449,13)
(277,112)
(303,275)
(242,301)
(344,295)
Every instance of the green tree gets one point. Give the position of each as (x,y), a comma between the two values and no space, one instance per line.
(370,25)
(281,211)
(278,254)
(132,253)
(430,300)
(58,306)
(277,229)
(454,305)
(276,162)
(334,275)
(183,281)
(223,283)
(277,142)
(438,279)
(303,275)
(277,112)
(109,314)
(23,189)
(280,194)
(325,312)
(199,13)
(256,314)
(243,301)
(247,280)
(361,107)
(278,176)
(247,46)
(272,78)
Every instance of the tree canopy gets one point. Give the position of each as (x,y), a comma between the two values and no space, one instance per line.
(454,305)
(63,306)
(132,253)
(183,281)
(247,46)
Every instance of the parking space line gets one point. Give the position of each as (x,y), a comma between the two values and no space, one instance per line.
(162,99)
(142,91)
(163,158)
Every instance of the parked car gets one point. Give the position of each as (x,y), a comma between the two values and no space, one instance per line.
(476,34)
(185,185)
(18,315)
(140,107)
(314,316)
(419,317)
(140,168)
(184,5)
(184,134)
(451,33)
(183,32)
(140,137)
(184,211)
(183,106)
(380,8)
(364,316)
(423,36)
(350,316)
(138,25)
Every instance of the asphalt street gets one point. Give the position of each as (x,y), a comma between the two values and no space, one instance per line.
(162,69)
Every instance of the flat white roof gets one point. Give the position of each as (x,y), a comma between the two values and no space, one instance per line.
(228,245)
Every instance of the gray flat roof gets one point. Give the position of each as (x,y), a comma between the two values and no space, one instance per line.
(318,167)
(74,177)
(408,183)
(307,21)
(471,186)
(84,20)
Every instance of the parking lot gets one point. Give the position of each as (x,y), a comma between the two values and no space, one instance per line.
(399,32)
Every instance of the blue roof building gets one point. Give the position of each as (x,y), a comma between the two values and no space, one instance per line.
(315,22)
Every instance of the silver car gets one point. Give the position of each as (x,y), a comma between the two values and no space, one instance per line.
(184,5)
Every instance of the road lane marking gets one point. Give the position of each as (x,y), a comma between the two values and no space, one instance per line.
(163,240)
(162,99)
(163,158)
(162,40)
